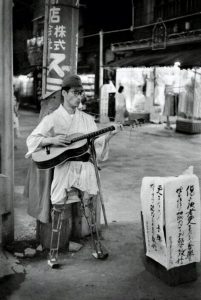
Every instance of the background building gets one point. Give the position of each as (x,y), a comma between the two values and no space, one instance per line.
(180,22)
(154,33)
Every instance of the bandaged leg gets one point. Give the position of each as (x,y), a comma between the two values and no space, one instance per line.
(88,208)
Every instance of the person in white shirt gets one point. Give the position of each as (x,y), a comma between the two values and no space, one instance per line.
(73,180)
(120,106)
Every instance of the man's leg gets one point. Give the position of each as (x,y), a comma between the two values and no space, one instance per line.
(55,235)
(88,207)
(60,214)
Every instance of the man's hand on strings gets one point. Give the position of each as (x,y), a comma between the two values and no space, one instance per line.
(60,140)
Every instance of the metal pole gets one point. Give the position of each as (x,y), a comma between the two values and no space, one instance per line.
(100,69)
(194,85)
(133,15)
(101,59)
(45,48)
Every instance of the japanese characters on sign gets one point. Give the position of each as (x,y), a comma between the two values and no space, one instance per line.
(172,206)
(152,193)
(180,221)
(61,43)
(190,220)
(183,220)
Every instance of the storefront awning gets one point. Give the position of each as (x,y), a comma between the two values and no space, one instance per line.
(188,59)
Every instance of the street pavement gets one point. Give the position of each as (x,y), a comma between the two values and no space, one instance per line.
(149,150)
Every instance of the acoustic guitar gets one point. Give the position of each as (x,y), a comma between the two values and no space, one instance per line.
(52,156)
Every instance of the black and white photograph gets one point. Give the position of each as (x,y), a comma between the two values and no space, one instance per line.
(100,150)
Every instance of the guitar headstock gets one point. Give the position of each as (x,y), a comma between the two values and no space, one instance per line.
(117,128)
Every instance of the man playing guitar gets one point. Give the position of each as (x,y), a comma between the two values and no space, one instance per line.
(75,179)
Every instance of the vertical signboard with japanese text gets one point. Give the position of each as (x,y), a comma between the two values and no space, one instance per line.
(61,34)
(182,215)
(171,215)
(152,195)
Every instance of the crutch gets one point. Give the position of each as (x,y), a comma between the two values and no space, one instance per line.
(93,155)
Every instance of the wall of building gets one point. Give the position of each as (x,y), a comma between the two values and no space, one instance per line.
(39,8)
(22,30)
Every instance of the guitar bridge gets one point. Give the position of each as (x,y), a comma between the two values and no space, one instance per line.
(47,150)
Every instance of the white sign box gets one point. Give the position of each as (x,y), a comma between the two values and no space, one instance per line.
(171,215)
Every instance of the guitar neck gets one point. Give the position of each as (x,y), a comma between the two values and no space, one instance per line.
(93,134)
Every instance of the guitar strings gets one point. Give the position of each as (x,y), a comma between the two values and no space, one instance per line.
(131,123)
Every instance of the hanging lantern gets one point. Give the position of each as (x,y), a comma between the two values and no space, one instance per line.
(187,25)
(159,35)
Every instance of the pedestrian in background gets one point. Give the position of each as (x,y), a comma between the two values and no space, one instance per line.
(16,125)
(120,106)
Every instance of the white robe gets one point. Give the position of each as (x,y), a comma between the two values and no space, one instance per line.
(80,175)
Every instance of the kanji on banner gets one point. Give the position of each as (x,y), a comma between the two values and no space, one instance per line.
(62,42)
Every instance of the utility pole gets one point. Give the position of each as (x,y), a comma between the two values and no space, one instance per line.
(100,59)
(45,47)
(6,119)
(103,101)
(57,62)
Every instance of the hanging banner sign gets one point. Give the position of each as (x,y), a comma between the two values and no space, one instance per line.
(62,42)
